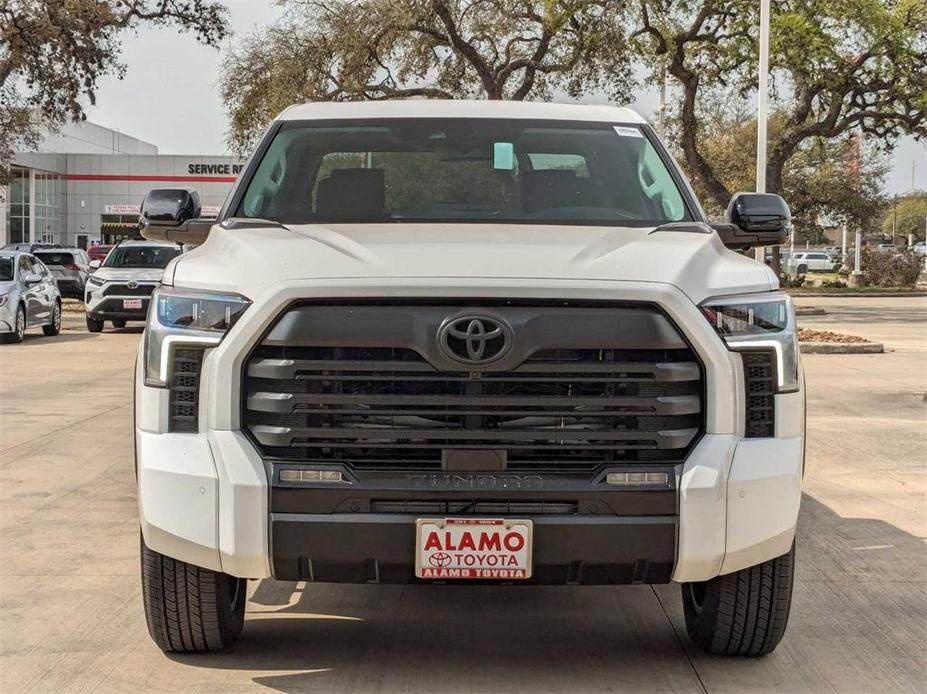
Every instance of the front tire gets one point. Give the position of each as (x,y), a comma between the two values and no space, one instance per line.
(189,609)
(742,613)
(55,327)
(94,326)
(19,327)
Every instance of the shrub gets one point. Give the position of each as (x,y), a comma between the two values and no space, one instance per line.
(890,269)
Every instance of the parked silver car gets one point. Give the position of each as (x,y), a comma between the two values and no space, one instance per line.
(70,267)
(120,288)
(29,297)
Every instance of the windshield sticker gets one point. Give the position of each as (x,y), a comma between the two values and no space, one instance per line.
(625,131)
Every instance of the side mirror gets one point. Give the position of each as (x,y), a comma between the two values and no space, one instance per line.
(172,214)
(30,279)
(753,220)
(95,264)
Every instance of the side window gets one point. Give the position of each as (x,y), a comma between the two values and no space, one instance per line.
(39,268)
(25,267)
(658,184)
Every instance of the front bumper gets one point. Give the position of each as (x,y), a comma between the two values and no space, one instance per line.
(206,498)
(111,308)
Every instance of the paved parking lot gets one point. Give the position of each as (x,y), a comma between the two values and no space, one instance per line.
(70,605)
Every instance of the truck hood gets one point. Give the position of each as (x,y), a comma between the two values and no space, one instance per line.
(249,260)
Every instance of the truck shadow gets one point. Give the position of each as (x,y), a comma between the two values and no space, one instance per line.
(438,638)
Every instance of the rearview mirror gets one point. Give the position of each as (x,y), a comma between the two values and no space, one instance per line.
(753,220)
(95,264)
(173,214)
(30,279)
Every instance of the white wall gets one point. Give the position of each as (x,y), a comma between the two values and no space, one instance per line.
(90,138)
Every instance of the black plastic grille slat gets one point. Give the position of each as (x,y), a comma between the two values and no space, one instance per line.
(124,290)
(760,399)
(387,407)
(475,507)
(185,390)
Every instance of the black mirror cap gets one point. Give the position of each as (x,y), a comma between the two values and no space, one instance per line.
(755,219)
(170,206)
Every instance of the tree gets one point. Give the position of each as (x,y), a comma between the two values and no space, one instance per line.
(908,215)
(814,180)
(387,49)
(837,66)
(53,52)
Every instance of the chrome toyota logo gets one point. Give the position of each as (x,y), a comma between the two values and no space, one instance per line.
(475,339)
(132,284)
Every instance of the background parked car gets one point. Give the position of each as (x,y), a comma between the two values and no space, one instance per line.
(29,297)
(119,290)
(70,266)
(810,261)
(99,251)
(920,248)
(28,247)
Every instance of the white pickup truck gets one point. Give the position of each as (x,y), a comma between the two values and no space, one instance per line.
(449,341)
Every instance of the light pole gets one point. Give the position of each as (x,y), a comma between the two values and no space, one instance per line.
(856,277)
(761,110)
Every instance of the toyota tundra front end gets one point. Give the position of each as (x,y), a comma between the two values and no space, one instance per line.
(435,342)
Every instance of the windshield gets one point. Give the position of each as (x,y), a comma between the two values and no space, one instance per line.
(6,269)
(153,257)
(463,170)
(50,258)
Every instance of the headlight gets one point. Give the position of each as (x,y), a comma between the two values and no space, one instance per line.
(197,319)
(96,281)
(759,322)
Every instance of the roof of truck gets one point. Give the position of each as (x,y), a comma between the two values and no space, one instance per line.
(448,108)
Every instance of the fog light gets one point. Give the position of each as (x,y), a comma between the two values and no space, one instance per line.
(632,478)
(310,476)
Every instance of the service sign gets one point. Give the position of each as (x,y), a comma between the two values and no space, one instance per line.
(473,548)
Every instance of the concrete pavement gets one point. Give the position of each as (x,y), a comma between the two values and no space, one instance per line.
(70,606)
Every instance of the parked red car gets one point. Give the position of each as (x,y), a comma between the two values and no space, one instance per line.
(99,251)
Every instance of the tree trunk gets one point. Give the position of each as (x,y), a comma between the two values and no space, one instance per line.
(695,162)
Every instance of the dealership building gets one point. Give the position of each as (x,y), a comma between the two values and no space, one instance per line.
(84,185)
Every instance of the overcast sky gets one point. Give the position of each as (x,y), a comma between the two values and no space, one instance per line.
(170,95)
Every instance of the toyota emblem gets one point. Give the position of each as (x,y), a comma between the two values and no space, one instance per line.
(132,284)
(475,339)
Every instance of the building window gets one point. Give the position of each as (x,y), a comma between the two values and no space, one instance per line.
(48,189)
(18,219)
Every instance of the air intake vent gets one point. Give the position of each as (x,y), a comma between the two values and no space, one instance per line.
(759,378)
(185,390)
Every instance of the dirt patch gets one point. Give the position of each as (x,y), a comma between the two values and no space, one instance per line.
(809,335)
(72,306)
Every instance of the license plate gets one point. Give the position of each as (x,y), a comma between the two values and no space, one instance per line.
(480,548)
(131,303)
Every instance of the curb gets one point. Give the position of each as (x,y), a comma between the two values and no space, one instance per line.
(841,347)
(861,295)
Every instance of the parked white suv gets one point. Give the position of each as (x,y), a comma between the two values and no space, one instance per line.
(809,261)
(120,287)
(433,341)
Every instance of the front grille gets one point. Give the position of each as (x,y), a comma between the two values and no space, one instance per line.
(760,400)
(560,408)
(125,290)
(185,390)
